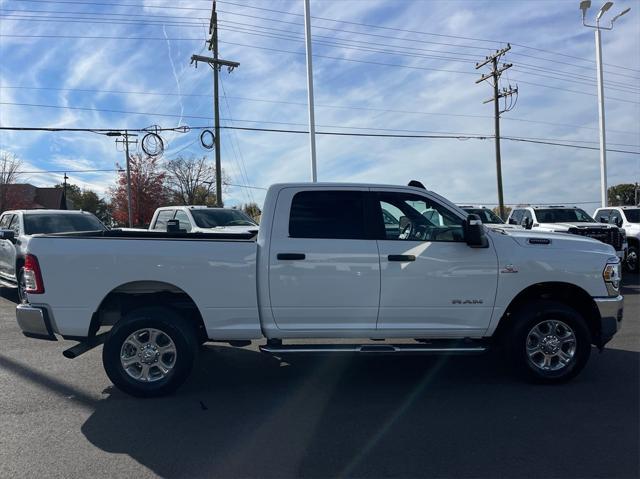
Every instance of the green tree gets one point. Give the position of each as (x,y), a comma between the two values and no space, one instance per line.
(87,200)
(623,194)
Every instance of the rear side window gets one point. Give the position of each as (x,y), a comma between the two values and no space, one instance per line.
(15,225)
(161,220)
(328,214)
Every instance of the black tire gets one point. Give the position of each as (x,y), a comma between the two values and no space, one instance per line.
(522,336)
(184,342)
(631,261)
(22,295)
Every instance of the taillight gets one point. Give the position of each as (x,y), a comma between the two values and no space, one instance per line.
(33,275)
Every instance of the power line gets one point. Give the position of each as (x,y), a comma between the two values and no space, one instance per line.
(318,105)
(339,133)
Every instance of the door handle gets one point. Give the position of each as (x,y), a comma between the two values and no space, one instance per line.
(291,256)
(401,257)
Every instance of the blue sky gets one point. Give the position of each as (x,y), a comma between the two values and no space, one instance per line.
(152,79)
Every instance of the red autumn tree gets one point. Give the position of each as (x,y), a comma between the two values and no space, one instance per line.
(148,191)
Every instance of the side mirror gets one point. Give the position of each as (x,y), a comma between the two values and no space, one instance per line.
(8,235)
(512,221)
(619,222)
(474,232)
(603,219)
(527,223)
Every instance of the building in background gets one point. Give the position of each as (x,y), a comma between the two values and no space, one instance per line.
(23,196)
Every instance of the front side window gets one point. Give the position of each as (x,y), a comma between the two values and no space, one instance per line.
(328,214)
(417,218)
(516,216)
(60,223)
(183,219)
(602,216)
(563,215)
(615,218)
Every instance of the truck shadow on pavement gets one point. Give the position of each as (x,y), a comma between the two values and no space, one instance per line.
(245,414)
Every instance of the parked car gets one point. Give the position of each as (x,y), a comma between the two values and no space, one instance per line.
(572,220)
(627,218)
(20,225)
(487,216)
(324,266)
(203,219)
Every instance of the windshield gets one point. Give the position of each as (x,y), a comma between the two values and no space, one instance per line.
(487,216)
(212,218)
(633,216)
(559,215)
(60,223)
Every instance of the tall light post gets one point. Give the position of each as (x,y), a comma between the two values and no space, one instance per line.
(584,6)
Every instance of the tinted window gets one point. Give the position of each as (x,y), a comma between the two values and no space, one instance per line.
(60,223)
(327,214)
(182,217)
(161,220)
(562,215)
(633,216)
(212,218)
(417,218)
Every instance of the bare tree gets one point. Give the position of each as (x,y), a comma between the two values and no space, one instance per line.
(9,174)
(192,180)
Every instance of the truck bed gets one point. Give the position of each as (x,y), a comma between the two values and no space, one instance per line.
(217,271)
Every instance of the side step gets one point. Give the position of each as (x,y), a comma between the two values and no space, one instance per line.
(453,348)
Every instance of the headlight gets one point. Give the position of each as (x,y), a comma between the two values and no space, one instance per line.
(611,276)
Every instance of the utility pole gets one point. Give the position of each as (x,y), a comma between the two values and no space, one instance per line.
(312,120)
(496,71)
(584,6)
(64,191)
(126,142)
(215,63)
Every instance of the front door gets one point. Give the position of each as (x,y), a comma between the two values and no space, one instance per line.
(324,270)
(432,282)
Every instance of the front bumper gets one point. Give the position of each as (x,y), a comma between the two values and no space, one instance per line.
(34,322)
(611,313)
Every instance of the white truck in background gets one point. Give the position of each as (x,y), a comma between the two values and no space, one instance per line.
(203,219)
(627,218)
(329,263)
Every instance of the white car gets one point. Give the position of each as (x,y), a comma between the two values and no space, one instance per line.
(324,265)
(571,220)
(627,218)
(203,219)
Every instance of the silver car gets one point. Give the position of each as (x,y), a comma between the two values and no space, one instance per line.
(17,227)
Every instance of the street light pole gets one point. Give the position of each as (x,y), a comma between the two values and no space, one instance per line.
(584,6)
(312,120)
(603,135)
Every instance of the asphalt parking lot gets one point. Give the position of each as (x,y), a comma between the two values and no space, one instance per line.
(245,414)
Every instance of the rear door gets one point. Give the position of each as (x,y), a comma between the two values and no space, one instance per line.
(432,282)
(324,270)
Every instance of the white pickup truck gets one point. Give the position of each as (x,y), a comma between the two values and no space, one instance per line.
(327,262)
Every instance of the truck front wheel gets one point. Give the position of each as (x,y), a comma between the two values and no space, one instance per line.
(548,342)
(150,352)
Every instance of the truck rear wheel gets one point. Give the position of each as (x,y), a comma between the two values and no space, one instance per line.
(548,342)
(150,352)
(631,261)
